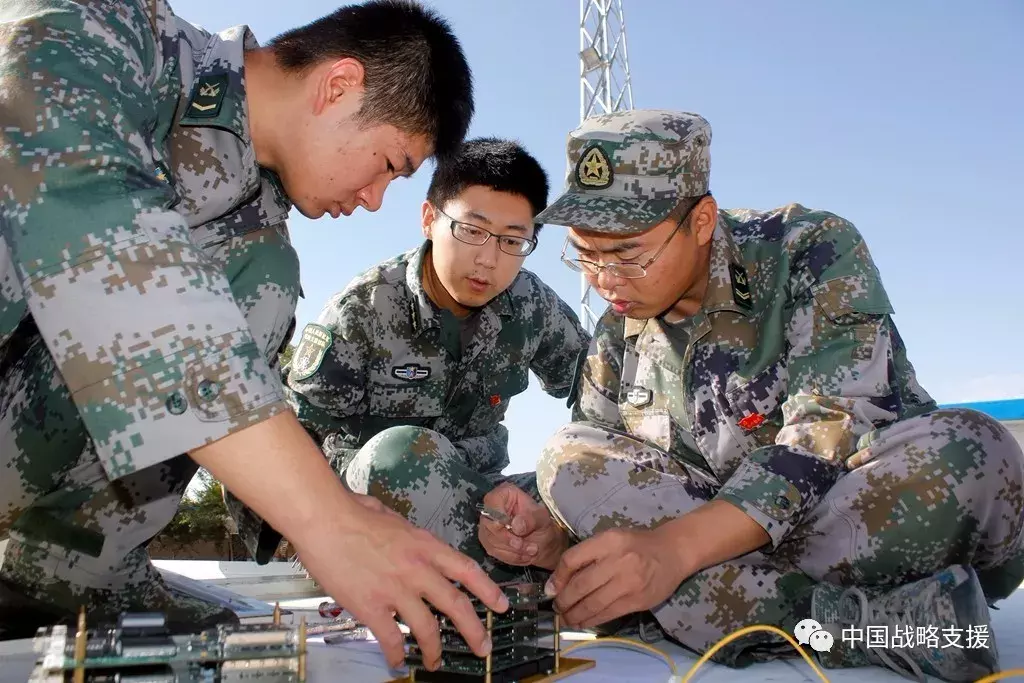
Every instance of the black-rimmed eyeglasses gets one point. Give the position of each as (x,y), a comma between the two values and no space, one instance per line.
(467,233)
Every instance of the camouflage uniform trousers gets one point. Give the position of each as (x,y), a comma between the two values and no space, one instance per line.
(76,538)
(936,490)
(421,475)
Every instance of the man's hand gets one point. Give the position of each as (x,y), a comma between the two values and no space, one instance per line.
(535,538)
(614,573)
(371,561)
(621,571)
(375,563)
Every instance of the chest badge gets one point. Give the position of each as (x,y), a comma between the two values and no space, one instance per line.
(410,372)
(639,397)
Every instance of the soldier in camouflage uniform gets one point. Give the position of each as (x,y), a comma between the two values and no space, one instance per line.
(147,284)
(749,443)
(406,376)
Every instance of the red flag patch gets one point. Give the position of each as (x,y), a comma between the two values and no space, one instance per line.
(752,421)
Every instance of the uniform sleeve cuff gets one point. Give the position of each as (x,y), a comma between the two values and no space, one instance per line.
(777,485)
(178,403)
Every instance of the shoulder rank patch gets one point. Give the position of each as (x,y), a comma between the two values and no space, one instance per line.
(309,354)
(410,372)
(594,169)
(208,96)
(740,287)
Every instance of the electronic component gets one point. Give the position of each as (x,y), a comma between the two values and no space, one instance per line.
(520,652)
(139,649)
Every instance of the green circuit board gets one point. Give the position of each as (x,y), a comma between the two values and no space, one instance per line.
(140,650)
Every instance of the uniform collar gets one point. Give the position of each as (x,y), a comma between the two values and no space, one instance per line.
(217,98)
(727,280)
(423,311)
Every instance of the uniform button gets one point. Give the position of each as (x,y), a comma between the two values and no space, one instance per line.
(208,390)
(782,502)
(176,403)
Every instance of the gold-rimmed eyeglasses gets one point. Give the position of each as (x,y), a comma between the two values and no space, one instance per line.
(622,269)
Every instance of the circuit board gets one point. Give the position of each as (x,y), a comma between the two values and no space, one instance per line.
(140,649)
(518,653)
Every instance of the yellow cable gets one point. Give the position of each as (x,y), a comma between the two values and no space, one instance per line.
(744,631)
(733,636)
(1001,675)
(623,641)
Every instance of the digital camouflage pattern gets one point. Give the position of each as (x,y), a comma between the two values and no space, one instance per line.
(789,394)
(134,323)
(430,481)
(629,170)
(397,360)
(937,491)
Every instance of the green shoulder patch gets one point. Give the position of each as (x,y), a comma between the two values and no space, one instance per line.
(309,354)
(207,96)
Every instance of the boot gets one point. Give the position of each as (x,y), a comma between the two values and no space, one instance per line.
(938,626)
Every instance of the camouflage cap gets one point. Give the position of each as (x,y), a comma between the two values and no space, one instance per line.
(629,169)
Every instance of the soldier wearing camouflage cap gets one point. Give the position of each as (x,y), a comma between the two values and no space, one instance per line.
(749,442)
(407,374)
(147,285)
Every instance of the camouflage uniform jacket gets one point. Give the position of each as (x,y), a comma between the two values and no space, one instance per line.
(125,157)
(789,365)
(388,362)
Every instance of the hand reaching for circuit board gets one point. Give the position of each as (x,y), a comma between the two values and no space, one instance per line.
(370,560)
(393,568)
(535,539)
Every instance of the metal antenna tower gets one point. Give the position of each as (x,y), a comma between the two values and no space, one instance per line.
(604,84)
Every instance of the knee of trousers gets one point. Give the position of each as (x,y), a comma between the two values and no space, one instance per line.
(396,454)
(973,440)
(978,461)
(575,454)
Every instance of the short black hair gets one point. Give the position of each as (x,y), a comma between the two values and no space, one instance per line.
(502,165)
(416,75)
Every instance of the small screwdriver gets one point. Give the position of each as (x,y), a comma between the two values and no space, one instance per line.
(496,515)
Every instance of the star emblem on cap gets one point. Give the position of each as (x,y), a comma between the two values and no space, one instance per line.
(594,168)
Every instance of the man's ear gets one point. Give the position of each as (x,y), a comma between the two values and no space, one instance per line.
(427,216)
(704,220)
(337,80)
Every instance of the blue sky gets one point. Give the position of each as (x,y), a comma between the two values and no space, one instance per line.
(903,117)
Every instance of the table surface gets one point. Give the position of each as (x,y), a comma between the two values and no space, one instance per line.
(362,662)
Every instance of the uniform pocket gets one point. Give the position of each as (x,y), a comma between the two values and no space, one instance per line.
(408,400)
(751,412)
